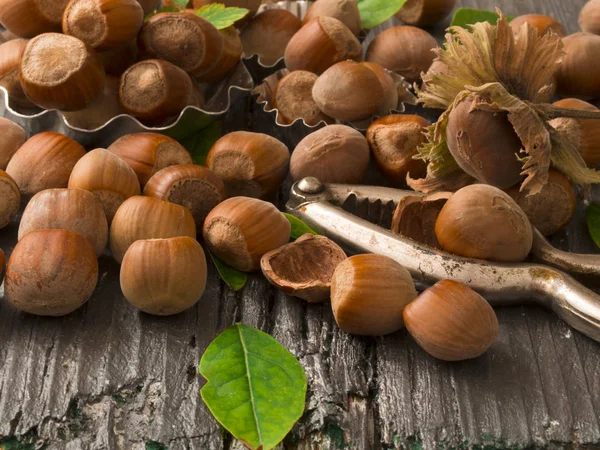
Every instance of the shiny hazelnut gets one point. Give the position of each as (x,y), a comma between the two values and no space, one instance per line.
(267,35)
(250,164)
(321,43)
(232,52)
(589,17)
(578,75)
(149,5)
(103,24)
(390,90)
(404,49)
(148,218)
(164,276)
(10,199)
(119,59)
(543,24)
(251,5)
(195,187)
(483,222)
(13,136)
(28,18)
(240,230)
(51,273)
(303,268)
(147,153)
(44,161)
(451,321)
(334,154)
(11,53)
(423,13)
(67,209)
(106,176)
(369,293)
(60,72)
(394,141)
(346,11)
(100,111)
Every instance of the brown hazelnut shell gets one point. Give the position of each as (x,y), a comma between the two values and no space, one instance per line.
(10,60)
(578,75)
(303,268)
(118,60)
(423,13)
(28,18)
(10,199)
(44,161)
(149,5)
(390,90)
(232,52)
(51,273)
(100,111)
(13,137)
(346,11)
(589,17)
(543,24)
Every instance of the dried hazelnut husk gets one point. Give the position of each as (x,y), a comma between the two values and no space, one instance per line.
(543,24)
(438,67)
(394,141)
(578,74)
(195,187)
(589,17)
(483,222)
(583,133)
(28,18)
(303,268)
(11,53)
(321,43)
(369,293)
(181,38)
(44,161)
(51,273)
(155,90)
(106,176)
(484,144)
(551,209)
(13,137)
(423,13)
(451,321)
(240,230)
(267,35)
(103,24)
(147,153)
(415,217)
(348,91)
(164,276)
(404,49)
(293,99)
(232,52)
(60,72)
(390,90)
(251,5)
(10,199)
(334,154)
(345,11)
(100,111)
(250,164)
(148,218)
(119,59)
(67,209)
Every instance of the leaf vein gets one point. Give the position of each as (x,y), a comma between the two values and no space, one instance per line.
(254,412)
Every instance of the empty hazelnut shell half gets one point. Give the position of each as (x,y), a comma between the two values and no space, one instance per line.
(10,199)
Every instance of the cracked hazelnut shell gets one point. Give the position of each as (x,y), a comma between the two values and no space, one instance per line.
(346,11)
(10,199)
(28,18)
(11,53)
(579,72)
(13,137)
(423,13)
(543,24)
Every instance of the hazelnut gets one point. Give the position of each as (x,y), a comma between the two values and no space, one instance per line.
(181,38)
(240,230)
(484,144)
(28,18)
(589,17)
(348,91)
(251,5)
(267,35)
(103,24)
(369,293)
(334,154)
(321,43)
(584,134)
(60,72)
(147,153)
(51,273)
(44,161)
(394,141)
(195,187)
(404,49)
(543,24)
(149,5)
(346,11)
(118,60)
(578,75)
(11,53)
(13,136)
(451,321)
(423,13)
(232,52)
(390,91)
(10,199)
(303,268)
(250,164)
(293,99)
(553,207)
(106,176)
(164,276)
(483,222)
(148,218)
(67,209)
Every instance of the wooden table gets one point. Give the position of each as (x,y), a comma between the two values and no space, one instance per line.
(108,377)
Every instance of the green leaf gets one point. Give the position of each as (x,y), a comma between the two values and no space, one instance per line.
(220,16)
(469,16)
(298,227)
(375,12)
(593,221)
(199,143)
(234,278)
(256,388)
(161,10)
